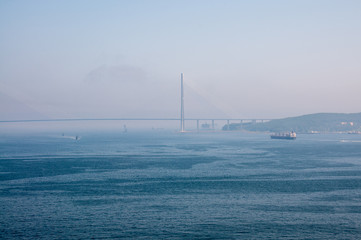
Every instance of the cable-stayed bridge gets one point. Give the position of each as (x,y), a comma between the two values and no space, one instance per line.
(198,120)
(182,118)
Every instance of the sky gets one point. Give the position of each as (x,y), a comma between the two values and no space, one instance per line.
(240,59)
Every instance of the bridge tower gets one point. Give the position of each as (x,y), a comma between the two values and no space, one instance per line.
(182,105)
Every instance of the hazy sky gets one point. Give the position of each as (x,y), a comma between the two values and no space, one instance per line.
(249,59)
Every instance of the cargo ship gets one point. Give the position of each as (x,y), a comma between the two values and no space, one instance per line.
(286,136)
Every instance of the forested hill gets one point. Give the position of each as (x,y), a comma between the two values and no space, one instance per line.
(319,122)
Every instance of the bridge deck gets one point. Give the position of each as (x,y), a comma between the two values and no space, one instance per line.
(133,119)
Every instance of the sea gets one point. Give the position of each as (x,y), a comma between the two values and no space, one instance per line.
(162,184)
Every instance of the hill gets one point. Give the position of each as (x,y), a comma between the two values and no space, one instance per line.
(311,123)
(12,109)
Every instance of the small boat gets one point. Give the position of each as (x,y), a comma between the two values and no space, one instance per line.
(354,132)
(285,135)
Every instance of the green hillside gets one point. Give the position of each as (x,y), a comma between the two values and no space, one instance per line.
(319,122)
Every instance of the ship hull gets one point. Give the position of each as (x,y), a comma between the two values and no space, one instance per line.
(283,137)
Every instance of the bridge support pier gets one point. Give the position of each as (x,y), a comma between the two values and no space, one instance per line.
(197,125)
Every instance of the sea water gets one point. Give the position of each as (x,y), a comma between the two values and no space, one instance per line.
(170,185)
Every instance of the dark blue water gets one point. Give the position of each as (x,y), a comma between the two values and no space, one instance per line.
(167,185)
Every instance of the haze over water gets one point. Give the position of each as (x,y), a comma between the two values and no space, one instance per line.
(163,184)
(123,59)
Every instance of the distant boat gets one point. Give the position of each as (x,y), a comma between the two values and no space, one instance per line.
(285,135)
(354,132)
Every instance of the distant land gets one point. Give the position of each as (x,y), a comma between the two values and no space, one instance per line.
(12,109)
(311,123)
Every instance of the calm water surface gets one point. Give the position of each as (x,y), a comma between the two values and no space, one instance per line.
(167,185)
